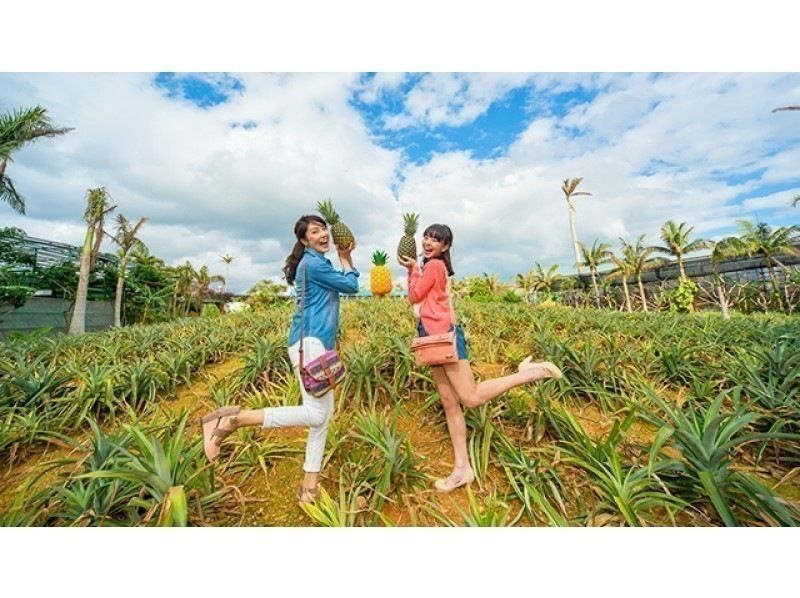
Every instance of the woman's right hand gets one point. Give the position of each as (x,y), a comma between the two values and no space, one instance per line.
(407,262)
(345,254)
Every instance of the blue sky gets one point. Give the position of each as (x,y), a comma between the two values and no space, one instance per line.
(487,136)
(226,162)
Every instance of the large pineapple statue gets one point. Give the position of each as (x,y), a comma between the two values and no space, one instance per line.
(342,237)
(408,246)
(380,278)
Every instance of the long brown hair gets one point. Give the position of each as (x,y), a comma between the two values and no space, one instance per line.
(300,228)
(443,234)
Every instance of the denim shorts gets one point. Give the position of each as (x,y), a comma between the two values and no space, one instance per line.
(461,339)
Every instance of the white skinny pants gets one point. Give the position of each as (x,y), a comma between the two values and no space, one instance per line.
(314,413)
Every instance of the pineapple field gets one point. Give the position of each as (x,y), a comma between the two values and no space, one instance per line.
(662,419)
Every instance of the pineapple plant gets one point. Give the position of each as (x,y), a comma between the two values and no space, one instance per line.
(380,278)
(408,246)
(342,237)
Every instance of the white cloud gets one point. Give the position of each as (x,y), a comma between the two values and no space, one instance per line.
(380,84)
(453,99)
(210,188)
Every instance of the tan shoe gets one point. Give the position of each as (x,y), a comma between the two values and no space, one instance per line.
(213,434)
(307,495)
(445,486)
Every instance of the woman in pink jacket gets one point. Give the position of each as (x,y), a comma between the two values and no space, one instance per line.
(428,288)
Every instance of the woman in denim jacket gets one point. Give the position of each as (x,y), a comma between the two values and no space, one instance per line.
(306,267)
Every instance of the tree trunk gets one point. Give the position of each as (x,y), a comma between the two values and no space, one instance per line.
(77,324)
(596,290)
(627,295)
(774,280)
(680,266)
(723,302)
(574,237)
(118,295)
(642,294)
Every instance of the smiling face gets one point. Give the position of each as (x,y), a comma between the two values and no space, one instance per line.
(432,247)
(317,237)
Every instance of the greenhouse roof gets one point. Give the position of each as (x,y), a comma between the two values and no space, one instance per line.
(49,253)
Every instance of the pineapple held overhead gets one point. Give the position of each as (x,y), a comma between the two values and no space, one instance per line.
(408,246)
(342,237)
(380,279)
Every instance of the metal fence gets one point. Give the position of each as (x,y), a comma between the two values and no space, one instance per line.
(742,269)
(41,312)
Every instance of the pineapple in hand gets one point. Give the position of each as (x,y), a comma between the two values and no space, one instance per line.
(408,246)
(342,237)
(380,278)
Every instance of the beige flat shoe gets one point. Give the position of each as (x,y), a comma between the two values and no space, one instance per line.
(550,368)
(443,485)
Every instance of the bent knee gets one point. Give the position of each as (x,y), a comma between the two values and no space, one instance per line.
(319,418)
(471,400)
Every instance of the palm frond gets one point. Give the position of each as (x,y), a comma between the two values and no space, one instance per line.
(9,194)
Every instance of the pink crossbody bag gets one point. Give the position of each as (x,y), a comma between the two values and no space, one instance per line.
(326,371)
(437,349)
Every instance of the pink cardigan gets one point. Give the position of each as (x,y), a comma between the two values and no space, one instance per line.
(429,289)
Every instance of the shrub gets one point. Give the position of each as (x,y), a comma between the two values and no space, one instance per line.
(210,310)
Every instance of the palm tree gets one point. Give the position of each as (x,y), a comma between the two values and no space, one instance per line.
(641,262)
(17,129)
(184,275)
(227,259)
(526,282)
(724,249)
(759,239)
(568,187)
(126,239)
(625,265)
(544,280)
(97,207)
(676,238)
(200,287)
(593,258)
(492,282)
(143,257)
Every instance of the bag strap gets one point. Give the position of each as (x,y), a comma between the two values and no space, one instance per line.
(450,301)
(303,312)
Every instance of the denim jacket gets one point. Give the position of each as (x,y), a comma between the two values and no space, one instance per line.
(321,307)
